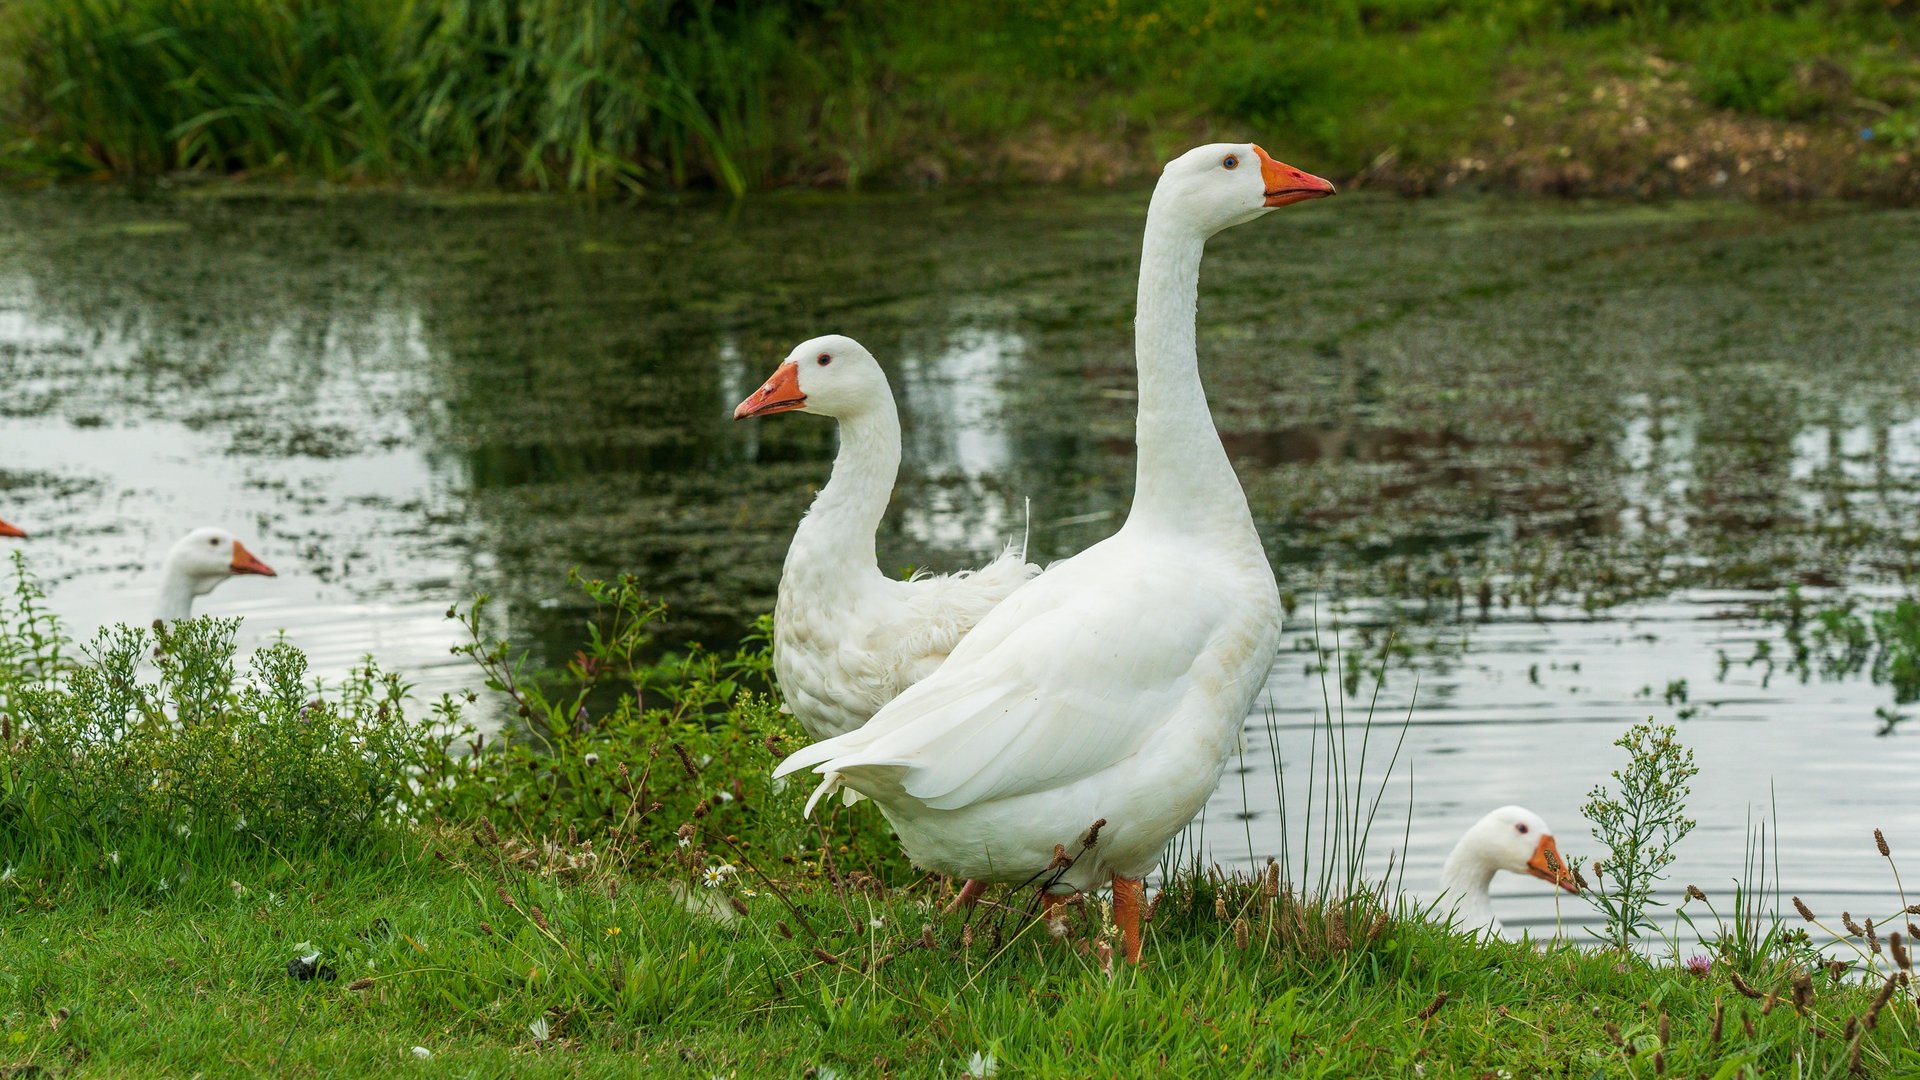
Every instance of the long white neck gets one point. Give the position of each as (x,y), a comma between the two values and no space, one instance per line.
(835,538)
(1465,880)
(176,595)
(1183,472)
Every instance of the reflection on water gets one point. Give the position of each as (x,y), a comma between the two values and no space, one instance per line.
(1543,441)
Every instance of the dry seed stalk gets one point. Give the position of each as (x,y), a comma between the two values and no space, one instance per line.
(1802,993)
(1846,920)
(1898,946)
(1880,841)
(1240,934)
(1740,984)
(1220,906)
(1719,1021)
(1873,940)
(1434,1006)
(1694,893)
(686,762)
(1800,906)
(1880,1000)
(1836,969)
(1746,1026)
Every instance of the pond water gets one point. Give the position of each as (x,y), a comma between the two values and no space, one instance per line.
(1554,463)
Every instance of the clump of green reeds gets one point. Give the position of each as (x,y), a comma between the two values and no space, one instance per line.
(585,95)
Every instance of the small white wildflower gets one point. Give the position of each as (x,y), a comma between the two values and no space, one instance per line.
(748,894)
(726,796)
(540,1029)
(826,1072)
(161,884)
(717,875)
(239,890)
(7,874)
(183,830)
(240,823)
(113,857)
(591,760)
(422,1053)
(684,841)
(876,923)
(981,1066)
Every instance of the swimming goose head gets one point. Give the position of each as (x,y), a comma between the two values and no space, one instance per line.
(201,561)
(11,530)
(1213,187)
(832,376)
(1516,840)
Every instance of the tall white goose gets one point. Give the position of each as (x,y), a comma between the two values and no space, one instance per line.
(1511,838)
(846,637)
(198,563)
(1112,687)
(12,530)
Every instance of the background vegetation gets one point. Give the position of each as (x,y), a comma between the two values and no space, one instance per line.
(1769,97)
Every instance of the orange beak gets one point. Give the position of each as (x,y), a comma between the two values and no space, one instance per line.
(1548,865)
(1286,184)
(777,395)
(245,563)
(10,530)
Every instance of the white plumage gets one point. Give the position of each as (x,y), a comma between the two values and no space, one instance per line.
(847,638)
(1113,686)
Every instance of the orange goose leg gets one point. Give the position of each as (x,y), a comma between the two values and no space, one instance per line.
(965,898)
(1127,894)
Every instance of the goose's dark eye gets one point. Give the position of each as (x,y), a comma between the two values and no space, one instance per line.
(213,541)
(824,359)
(1230,162)
(1521,828)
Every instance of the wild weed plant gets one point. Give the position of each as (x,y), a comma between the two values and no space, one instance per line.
(1639,825)
(150,750)
(663,754)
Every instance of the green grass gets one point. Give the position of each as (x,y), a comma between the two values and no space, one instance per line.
(598,95)
(97,980)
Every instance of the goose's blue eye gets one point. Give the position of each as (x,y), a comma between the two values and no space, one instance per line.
(1230,162)
(825,359)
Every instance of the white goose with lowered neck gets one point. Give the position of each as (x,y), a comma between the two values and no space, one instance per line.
(846,637)
(1511,838)
(197,564)
(1114,686)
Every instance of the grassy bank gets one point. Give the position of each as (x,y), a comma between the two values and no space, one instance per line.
(494,960)
(1742,96)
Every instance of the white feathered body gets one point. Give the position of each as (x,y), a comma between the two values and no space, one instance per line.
(1116,685)
(1113,686)
(846,642)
